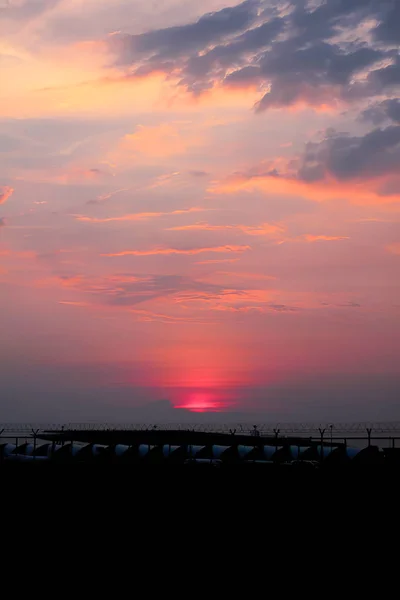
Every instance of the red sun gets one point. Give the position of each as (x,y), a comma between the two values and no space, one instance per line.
(202,402)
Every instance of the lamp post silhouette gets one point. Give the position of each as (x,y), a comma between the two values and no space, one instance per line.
(276,432)
(369,431)
(322,431)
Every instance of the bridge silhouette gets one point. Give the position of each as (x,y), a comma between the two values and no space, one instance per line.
(268,444)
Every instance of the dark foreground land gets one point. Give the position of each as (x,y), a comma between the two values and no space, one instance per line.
(214,471)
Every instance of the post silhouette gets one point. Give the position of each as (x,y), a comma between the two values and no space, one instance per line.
(322,432)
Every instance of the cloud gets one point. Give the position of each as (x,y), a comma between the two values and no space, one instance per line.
(364,192)
(319,74)
(264,308)
(350,305)
(363,169)
(227,298)
(342,305)
(383,79)
(139,216)
(216,62)
(346,157)
(323,238)
(388,29)
(162,45)
(66,303)
(386,110)
(282,307)
(334,52)
(147,316)
(266,229)
(130,289)
(169,251)
(104,197)
(5,193)
(276,232)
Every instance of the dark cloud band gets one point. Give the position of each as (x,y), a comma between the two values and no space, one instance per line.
(295,54)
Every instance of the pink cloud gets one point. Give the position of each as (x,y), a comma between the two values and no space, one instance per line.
(138,216)
(266,229)
(168,251)
(5,193)
(73,303)
(324,238)
(362,192)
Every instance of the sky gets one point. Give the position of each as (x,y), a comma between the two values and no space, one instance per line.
(199,210)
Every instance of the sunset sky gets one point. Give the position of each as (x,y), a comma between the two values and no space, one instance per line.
(199,209)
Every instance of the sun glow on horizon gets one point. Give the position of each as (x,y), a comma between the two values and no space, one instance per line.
(202,402)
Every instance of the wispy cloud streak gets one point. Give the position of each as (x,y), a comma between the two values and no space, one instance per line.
(169,251)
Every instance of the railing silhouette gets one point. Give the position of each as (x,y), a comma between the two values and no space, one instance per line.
(330,429)
(24,441)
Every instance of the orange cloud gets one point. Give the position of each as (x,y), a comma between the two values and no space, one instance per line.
(394,248)
(163,180)
(138,216)
(5,193)
(356,191)
(74,303)
(168,251)
(325,238)
(225,297)
(263,229)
